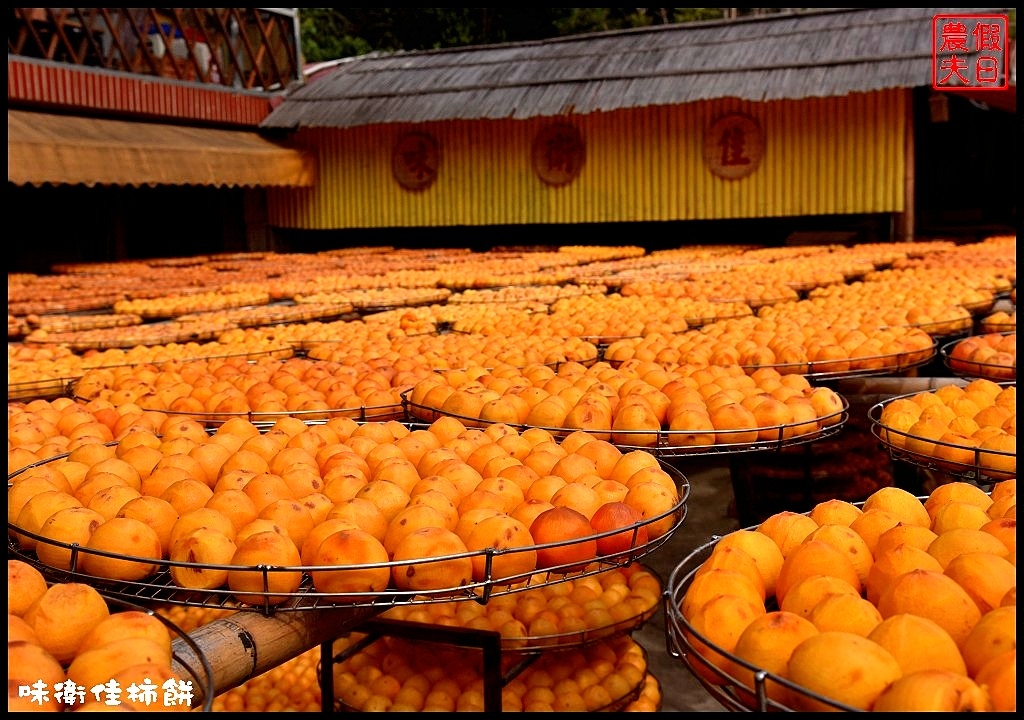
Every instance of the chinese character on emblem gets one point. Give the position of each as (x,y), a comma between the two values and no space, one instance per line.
(733,146)
(415,161)
(558,154)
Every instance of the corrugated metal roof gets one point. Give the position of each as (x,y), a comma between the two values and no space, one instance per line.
(70,150)
(824,53)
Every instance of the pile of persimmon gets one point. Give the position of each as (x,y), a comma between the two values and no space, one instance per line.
(600,318)
(959,427)
(376,330)
(999,321)
(408,339)
(987,266)
(66,632)
(638,403)
(879,254)
(679,262)
(172,331)
(169,306)
(669,314)
(65,322)
(46,297)
(270,314)
(791,337)
(543,295)
(16,326)
(223,387)
(897,604)
(989,355)
(336,496)
(807,273)
(495,272)
(920,297)
(442,351)
(588,607)
(737,285)
(376,297)
(33,364)
(30,363)
(859,309)
(402,675)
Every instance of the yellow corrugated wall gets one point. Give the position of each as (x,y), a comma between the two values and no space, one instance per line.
(821,156)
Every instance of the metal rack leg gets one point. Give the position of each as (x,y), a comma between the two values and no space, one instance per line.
(489,642)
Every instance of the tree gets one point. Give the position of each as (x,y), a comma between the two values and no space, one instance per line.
(329,33)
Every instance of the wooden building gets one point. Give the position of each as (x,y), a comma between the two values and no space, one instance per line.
(154,132)
(816,121)
(133,132)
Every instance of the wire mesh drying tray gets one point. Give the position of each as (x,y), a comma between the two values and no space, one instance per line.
(728,690)
(160,587)
(970,463)
(666,444)
(539,642)
(965,367)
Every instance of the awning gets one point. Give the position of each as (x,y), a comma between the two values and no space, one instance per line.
(68,150)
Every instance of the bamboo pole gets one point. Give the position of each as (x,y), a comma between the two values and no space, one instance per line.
(249,643)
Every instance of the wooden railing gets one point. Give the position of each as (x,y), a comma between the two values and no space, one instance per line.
(248,48)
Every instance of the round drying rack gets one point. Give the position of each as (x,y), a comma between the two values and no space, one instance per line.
(965,368)
(314,350)
(159,587)
(670,444)
(849,367)
(43,389)
(577,638)
(265,419)
(49,388)
(968,463)
(525,667)
(691,648)
(986,326)
(818,371)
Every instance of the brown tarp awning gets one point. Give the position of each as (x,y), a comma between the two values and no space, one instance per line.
(69,150)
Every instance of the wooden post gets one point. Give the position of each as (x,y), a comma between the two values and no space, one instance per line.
(905,220)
